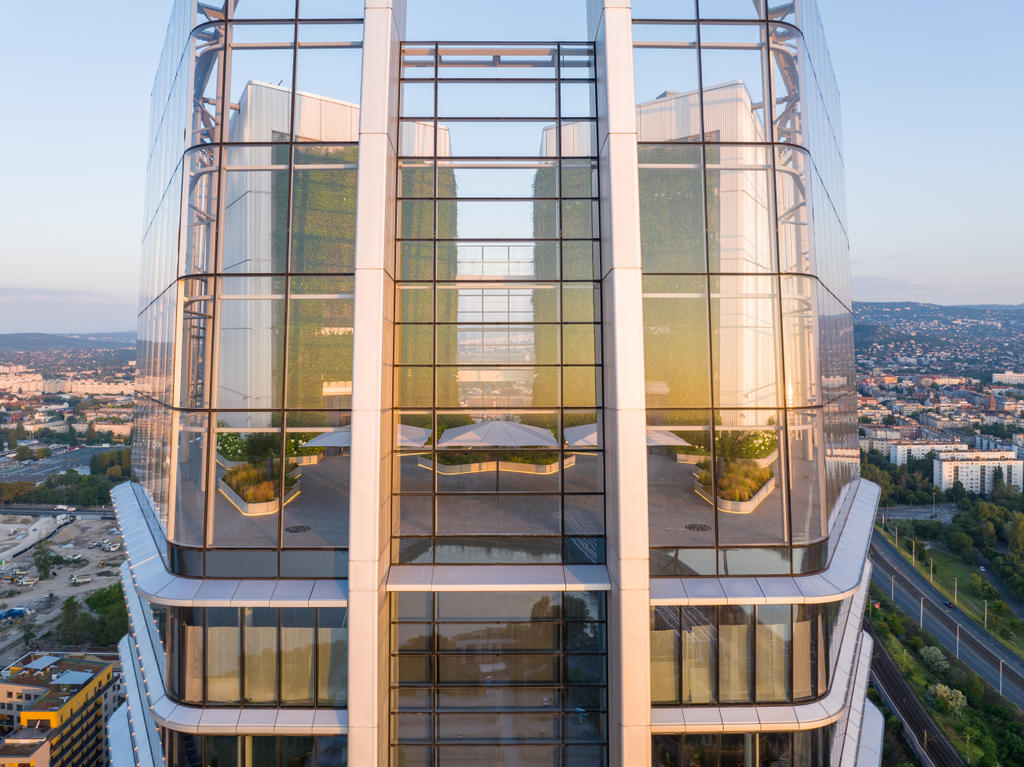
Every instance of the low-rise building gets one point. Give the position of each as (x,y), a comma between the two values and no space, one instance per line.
(977,470)
(53,707)
(899,452)
(1009,377)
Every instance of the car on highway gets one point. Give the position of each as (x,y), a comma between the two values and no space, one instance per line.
(981,568)
(949,604)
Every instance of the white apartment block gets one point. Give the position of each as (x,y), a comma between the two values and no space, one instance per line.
(1009,377)
(899,452)
(976,470)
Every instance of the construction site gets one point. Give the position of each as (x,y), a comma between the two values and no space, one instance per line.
(86,555)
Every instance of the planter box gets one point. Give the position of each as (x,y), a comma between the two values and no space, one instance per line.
(259,509)
(768,460)
(230,464)
(510,466)
(738,507)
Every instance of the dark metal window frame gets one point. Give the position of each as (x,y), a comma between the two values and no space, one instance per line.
(812,556)
(558,51)
(217,33)
(562,622)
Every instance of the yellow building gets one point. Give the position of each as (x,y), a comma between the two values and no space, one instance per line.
(55,705)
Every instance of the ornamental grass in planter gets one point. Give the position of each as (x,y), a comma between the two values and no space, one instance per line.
(254,483)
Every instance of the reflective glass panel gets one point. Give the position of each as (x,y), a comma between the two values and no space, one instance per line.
(750,477)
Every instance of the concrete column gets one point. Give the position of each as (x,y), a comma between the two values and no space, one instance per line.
(629,698)
(369,503)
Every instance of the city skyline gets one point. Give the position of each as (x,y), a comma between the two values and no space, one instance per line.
(52,283)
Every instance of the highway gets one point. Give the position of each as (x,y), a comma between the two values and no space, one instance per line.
(37,471)
(978,649)
(48,511)
(943,512)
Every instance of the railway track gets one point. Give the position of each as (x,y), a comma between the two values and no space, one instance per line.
(909,708)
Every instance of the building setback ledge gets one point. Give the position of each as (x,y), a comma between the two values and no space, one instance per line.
(498,578)
(872,732)
(120,746)
(841,579)
(145,739)
(156,584)
(142,658)
(846,692)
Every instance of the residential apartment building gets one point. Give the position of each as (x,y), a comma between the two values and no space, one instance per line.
(496,394)
(918,449)
(978,471)
(1009,377)
(52,708)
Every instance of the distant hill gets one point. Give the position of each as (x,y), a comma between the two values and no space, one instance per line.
(28,342)
(982,337)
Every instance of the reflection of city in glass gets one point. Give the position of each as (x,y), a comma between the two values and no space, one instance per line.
(497,347)
(265,302)
(515,337)
(748,454)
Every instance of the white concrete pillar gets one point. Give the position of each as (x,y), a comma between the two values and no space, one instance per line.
(629,698)
(369,520)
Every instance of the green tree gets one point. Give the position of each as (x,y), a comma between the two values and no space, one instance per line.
(90,434)
(998,480)
(935,660)
(24,453)
(957,492)
(43,452)
(111,613)
(28,630)
(43,558)
(12,440)
(75,624)
(948,699)
(1014,532)
(12,491)
(20,431)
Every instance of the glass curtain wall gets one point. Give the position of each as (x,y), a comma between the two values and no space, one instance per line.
(810,748)
(747,322)
(521,675)
(186,750)
(258,656)
(498,435)
(743,654)
(246,359)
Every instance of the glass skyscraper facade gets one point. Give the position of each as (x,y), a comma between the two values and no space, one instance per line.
(495,395)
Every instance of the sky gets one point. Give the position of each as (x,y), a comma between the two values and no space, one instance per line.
(932,109)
